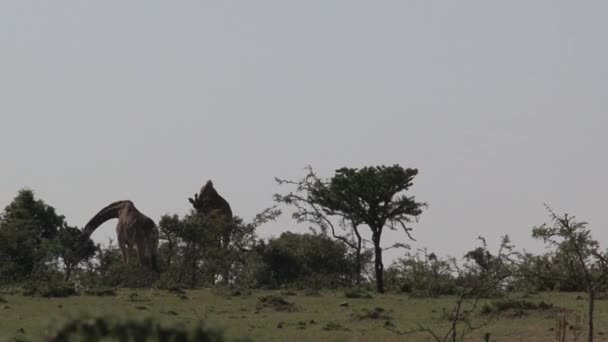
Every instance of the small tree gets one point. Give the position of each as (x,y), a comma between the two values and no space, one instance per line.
(191,255)
(572,241)
(303,259)
(27,225)
(309,211)
(71,249)
(373,196)
(189,242)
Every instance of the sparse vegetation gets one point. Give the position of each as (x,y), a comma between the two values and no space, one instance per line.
(375,313)
(324,317)
(108,328)
(321,279)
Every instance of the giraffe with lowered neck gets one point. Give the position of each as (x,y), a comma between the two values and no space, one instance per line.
(133,230)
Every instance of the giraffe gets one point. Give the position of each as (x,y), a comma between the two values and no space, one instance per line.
(209,204)
(133,229)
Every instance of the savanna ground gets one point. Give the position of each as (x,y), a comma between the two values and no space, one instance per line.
(322,317)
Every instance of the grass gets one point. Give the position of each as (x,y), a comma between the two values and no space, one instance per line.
(317,318)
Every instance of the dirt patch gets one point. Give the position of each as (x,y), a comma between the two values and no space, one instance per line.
(372,314)
(100,291)
(176,290)
(334,326)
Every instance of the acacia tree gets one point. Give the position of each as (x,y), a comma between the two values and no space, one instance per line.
(307,209)
(573,242)
(374,196)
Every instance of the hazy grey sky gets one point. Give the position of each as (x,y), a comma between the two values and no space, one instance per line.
(500,105)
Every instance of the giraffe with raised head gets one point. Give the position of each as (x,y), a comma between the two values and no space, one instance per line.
(210,205)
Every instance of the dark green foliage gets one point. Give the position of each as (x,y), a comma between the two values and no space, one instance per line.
(108,270)
(190,254)
(111,329)
(72,248)
(357,293)
(185,242)
(100,291)
(36,243)
(49,289)
(27,225)
(19,250)
(306,259)
(26,208)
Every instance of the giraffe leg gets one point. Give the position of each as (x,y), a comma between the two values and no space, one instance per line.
(122,244)
(141,253)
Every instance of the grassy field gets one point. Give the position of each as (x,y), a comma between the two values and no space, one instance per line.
(311,318)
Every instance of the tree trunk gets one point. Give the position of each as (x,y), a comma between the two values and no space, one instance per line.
(358,267)
(183,270)
(378,267)
(224,251)
(169,253)
(194,265)
(226,270)
(591,294)
(68,272)
(358,261)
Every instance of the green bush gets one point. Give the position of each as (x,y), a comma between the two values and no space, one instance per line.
(100,291)
(356,293)
(49,289)
(150,330)
(307,260)
(276,303)
(516,306)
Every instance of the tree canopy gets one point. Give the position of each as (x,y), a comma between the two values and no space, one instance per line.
(375,196)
